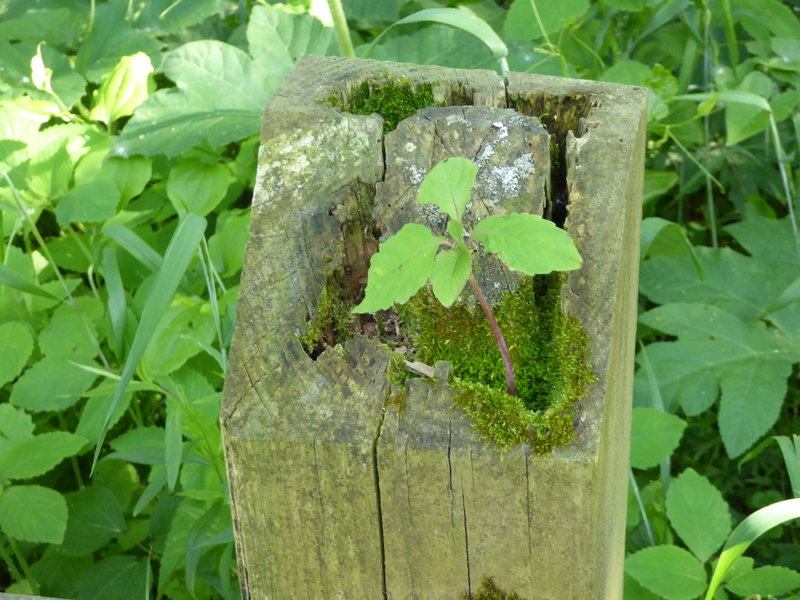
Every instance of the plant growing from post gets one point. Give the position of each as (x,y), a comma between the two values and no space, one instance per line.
(407,260)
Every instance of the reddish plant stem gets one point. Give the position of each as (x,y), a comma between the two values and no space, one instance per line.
(498,335)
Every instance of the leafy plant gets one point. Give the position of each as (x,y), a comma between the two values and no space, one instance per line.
(407,260)
(113,132)
(123,212)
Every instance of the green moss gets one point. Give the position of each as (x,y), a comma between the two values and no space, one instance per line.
(392,100)
(549,350)
(489,591)
(333,322)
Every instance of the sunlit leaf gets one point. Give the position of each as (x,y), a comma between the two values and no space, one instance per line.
(400,268)
(448,185)
(449,275)
(528,243)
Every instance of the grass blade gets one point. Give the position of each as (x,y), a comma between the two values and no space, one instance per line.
(14,280)
(116,296)
(173,442)
(134,245)
(790,448)
(179,254)
(747,532)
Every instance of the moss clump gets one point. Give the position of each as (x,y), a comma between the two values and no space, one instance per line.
(333,322)
(489,591)
(392,100)
(549,350)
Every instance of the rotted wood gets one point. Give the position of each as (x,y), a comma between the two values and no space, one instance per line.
(338,493)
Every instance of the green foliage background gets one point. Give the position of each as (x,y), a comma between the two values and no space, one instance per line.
(128,141)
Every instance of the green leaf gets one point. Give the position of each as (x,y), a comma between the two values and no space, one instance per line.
(631,5)
(14,280)
(760,18)
(114,578)
(173,446)
(92,202)
(698,513)
(790,449)
(170,16)
(143,445)
(434,45)
(219,96)
(449,275)
(111,38)
(521,24)
(276,37)
(56,25)
(663,238)
(635,591)
(66,336)
(117,303)
(135,246)
(227,245)
(64,80)
(726,279)
(400,268)
(528,243)
(669,571)
(654,436)
(769,240)
(58,574)
(181,333)
(32,513)
(36,455)
(120,477)
(627,72)
(657,183)
(129,175)
(17,348)
(762,384)
(94,412)
(748,531)
(196,187)
(123,89)
(369,10)
(448,185)
(95,518)
(179,254)
(455,18)
(765,581)
(717,351)
(53,383)
(15,425)
(174,555)
(748,114)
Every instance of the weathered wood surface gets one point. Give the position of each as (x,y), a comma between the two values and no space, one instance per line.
(332,497)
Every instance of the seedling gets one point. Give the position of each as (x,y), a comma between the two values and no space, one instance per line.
(407,260)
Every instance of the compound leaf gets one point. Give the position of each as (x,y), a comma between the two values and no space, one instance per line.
(717,351)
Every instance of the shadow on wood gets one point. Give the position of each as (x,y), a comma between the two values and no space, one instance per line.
(338,492)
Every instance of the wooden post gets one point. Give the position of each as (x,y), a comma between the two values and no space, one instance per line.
(338,492)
